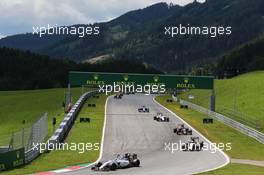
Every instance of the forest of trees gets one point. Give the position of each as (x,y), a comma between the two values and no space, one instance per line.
(25,70)
(249,57)
(139,35)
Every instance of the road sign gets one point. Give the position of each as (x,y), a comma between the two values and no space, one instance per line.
(171,81)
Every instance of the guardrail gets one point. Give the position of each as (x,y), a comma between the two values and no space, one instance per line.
(65,126)
(63,129)
(32,154)
(228,121)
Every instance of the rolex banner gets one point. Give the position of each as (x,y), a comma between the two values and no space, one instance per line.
(170,81)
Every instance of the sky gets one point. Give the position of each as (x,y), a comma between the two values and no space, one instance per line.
(20,16)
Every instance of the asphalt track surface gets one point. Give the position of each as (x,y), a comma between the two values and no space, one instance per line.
(127,130)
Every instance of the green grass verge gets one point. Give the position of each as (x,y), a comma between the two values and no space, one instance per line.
(30,105)
(243,147)
(80,133)
(241,98)
(237,169)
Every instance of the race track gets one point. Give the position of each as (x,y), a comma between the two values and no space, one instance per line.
(129,131)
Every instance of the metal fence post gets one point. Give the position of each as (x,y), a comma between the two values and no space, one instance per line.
(23,135)
(212,101)
(11,143)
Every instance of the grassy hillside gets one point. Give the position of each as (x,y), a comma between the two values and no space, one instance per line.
(214,132)
(219,133)
(90,133)
(16,106)
(247,58)
(241,98)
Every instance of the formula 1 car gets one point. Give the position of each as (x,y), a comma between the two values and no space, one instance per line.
(182,130)
(126,161)
(193,145)
(161,118)
(143,109)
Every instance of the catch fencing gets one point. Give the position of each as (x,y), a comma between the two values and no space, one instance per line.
(61,132)
(26,138)
(228,121)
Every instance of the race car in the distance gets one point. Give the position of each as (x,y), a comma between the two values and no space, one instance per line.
(193,145)
(143,109)
(182,130)
(126,161)
(161,118)
(118,96)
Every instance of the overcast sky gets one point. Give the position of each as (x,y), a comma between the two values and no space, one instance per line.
(19,16)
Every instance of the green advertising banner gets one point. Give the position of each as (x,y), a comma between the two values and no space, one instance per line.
(170,81)
(12,159)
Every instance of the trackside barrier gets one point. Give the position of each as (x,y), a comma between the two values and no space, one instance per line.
(37,134)
(32,154)
(230,122)
(63,129)
(68,121)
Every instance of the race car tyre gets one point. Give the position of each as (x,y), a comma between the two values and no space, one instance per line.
(201,145)
(99,164)
(184,147)
(113,167)
(137,163)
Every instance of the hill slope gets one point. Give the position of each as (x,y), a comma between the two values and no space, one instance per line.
(247,58)
(241,98)
(139,35)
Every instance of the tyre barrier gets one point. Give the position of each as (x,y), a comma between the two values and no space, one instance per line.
(63,129)
(184,107)
(91,105)
(85,120)
(32,154)
(208,121)
(169,100)
(65,126)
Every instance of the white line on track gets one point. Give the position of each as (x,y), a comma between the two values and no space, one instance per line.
(102,139)
(224,154)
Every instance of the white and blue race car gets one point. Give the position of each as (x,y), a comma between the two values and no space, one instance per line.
(161,118)
(126,161)
(193,145)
